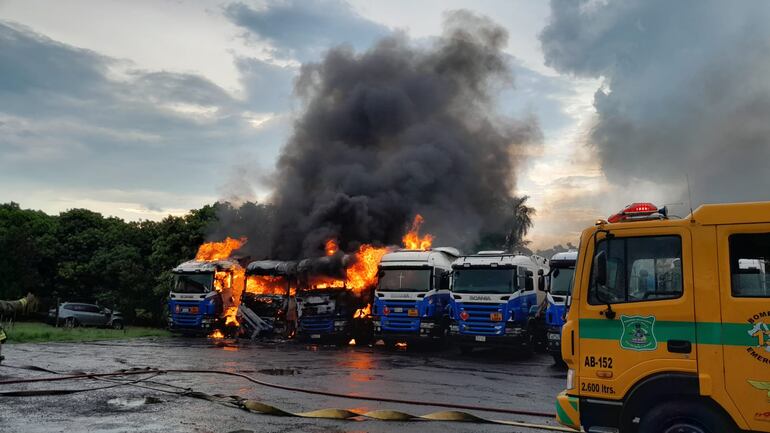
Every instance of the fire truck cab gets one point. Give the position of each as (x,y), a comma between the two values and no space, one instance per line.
(669,324)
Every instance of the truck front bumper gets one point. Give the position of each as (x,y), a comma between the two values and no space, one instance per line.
(424,330)
(554,340)
(191,323)
(568,410)
(508,340)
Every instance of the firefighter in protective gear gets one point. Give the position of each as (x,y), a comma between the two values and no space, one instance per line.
(20,306)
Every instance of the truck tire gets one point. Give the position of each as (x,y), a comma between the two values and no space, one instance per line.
(684,417)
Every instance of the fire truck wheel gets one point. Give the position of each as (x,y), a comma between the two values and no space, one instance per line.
(684,417)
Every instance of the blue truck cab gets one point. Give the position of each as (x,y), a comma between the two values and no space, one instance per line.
(327,307)
(492,294)
(561,278)
(195,305)
(412,295)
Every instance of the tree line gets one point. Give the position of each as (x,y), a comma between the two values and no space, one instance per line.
(81,255)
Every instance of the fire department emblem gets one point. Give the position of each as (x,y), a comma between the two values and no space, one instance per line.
(638,333)
(761,332)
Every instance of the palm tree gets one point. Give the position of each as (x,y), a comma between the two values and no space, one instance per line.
(519,222)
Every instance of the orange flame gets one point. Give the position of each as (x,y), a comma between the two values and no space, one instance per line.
(412,239)
(227,282)
(363,312)
(230,319)
(331,247)
(211,251)
(266,285)
(217,334)
(320,282)
(363,273)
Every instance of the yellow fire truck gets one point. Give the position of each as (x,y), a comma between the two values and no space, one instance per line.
(668,329)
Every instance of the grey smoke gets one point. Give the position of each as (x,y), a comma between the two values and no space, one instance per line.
(397,130)
(685,90)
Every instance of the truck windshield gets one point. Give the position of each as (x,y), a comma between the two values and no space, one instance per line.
(193,283)
(404,280)
(561,282)
(484,281)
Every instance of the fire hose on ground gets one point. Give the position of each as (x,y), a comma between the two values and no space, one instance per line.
(266,409)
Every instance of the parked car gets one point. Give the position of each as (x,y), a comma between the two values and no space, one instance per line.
(78,314)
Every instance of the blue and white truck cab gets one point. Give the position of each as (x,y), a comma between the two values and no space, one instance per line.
(194,303)
(492,294)
(560,286)
(412,295)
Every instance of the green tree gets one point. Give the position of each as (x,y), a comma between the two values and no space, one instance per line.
(27,251)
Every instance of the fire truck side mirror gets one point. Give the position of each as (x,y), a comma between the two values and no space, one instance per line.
(600,268)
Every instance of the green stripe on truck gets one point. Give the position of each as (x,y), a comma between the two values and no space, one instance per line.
(728,334)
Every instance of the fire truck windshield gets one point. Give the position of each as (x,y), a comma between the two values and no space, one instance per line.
(404,280)
(484,281)
(193,283)
(561,281)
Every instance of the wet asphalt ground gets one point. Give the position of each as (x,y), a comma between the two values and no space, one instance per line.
(484,378)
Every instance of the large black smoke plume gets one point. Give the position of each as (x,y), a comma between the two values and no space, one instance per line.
(686,90)
(397,130)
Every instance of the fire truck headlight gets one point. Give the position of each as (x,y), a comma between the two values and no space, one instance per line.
(427,325)
(339,323)
(554,336)
(570,379)
(454,328)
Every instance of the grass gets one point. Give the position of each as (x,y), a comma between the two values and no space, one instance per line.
(28,332)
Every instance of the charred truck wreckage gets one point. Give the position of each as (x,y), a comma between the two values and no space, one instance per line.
(265,302)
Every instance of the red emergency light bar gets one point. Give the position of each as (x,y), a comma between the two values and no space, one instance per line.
(635,210)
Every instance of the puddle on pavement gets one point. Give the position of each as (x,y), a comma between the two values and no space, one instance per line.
(280,371)
(121,403)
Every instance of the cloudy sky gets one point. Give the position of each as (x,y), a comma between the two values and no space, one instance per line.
(147,108)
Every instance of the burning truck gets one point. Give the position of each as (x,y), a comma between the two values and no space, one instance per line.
(205,292)
(335,294)
(265,300)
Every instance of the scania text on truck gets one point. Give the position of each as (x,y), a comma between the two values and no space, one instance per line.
(562,267)
(412,295)
(669,324)
(194,304)
(492,294)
